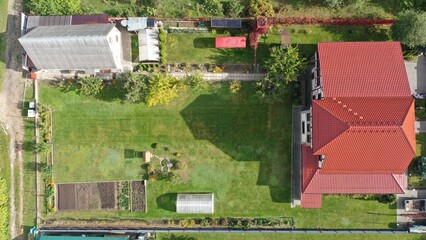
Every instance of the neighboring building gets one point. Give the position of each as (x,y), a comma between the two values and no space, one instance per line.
(358,137)
(74,47)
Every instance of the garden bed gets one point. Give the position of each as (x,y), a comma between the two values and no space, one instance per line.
(110,196)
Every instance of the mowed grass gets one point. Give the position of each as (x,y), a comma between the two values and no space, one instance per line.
(256,236)
(5,174)
(3,23)
(200,48)
(231,145)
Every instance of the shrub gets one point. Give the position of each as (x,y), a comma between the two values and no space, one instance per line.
(421,167)
(233,9)
(234,86)
(217,70)
(55,7)
(196,82)
(162,89)
(187,223)
(135,86)
(90,85)
(257,8)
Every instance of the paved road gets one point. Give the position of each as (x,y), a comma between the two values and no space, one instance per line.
(417,74)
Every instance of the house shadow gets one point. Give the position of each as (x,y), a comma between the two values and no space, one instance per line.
(246,130)
(204,42)
(167,201)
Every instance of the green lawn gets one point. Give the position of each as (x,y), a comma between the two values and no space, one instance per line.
(3,23)
(255,236)
(135,48)
(200,48)
(29,167)
(4,174)
(231,145)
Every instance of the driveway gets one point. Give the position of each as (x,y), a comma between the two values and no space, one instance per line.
(417,74)
(402,221)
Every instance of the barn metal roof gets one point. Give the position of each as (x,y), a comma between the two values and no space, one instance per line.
(70,47)
(195,203)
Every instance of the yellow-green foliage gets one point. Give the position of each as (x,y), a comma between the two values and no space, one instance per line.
(235,86)
(4,210)
(162,89)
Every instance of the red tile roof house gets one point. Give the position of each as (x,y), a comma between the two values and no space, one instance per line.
(358,136)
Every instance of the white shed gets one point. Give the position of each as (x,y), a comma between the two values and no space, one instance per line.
(149,49)
(195,203)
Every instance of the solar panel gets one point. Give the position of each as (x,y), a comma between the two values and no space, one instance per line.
(226,23)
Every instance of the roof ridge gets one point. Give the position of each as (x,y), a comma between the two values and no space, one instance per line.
(403,129)
(310,181)
(339,119)
(398,183)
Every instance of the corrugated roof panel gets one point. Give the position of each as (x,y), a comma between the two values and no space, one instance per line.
(195,203)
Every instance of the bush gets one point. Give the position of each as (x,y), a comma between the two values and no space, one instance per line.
(421,167)
(258,8)
(187,223)
(233,9)
(4,209)
(162,89)
(135,86)
(196,82)
(90,85)
(234,86)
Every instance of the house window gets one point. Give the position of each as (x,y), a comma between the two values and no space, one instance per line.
(303,127)
(319,96)
(116,38)
(308,138)
(318,80)
(308,116)
(308,128)
(314,97)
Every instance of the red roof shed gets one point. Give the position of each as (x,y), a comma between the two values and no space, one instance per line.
(230,42)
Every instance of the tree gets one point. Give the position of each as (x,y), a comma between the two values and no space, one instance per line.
(55,7)
(421,167)
(410,28)
(162,89)
(90,85)
(283,67)
(285,64)
(213,7)
(135,86)
(257,8)
(233,8)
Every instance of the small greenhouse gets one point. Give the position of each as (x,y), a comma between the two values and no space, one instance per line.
(195,203)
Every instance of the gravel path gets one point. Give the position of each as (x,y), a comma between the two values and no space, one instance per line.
(10,112)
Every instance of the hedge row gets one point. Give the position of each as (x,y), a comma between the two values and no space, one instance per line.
(328,21)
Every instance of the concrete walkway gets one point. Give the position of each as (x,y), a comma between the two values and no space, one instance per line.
(420,127)
(225,76)
(416,72)
(296,158)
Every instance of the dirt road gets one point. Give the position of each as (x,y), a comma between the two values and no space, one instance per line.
(10,112)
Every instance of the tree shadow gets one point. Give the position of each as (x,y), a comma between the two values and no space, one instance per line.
(167,201)
(246,130)
(204,42)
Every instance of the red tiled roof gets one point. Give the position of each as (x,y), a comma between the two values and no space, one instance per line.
(315,182)
(364,135)
(365,124)
(363,69)
(311,200)
(354,184)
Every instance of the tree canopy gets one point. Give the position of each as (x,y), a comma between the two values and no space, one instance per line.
(55,7)
(410,28)
(135,86)
(162,89)
(257,8)
(283,66)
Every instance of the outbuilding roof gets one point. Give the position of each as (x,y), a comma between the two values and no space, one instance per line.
(195,203)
